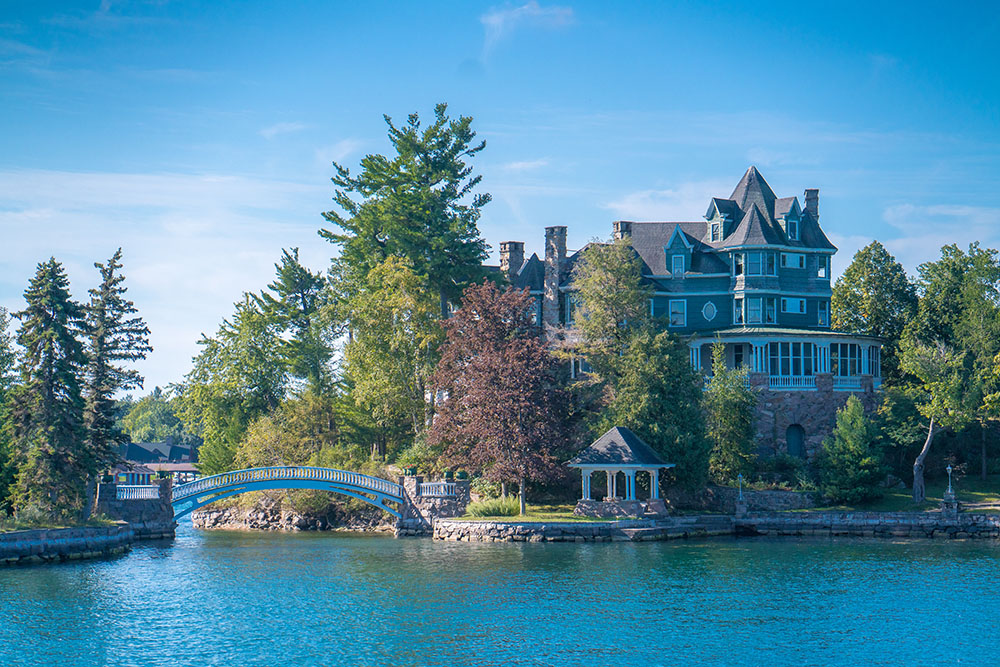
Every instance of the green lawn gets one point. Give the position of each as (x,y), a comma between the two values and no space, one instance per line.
(973,494)
(9,525)
(538,513)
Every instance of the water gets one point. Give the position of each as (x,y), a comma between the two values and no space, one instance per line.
(226,598)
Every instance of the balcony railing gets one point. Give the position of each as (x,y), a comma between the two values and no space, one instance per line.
(437,489)
(791,382)
(137,492)
(846,383)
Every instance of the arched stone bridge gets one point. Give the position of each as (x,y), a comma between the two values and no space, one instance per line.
(372,490)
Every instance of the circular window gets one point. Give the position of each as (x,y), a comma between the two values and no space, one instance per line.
(709,311)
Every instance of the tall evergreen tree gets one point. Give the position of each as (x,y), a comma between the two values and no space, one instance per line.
(48,437)
(850,465)
(419,204)
(115,336)
(8,358)
(296,301)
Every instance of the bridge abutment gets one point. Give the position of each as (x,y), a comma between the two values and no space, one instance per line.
(424,502)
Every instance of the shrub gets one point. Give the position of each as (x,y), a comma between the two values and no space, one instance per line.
(509,506)
(850,465)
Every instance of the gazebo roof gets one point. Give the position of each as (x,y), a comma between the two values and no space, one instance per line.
(618,447)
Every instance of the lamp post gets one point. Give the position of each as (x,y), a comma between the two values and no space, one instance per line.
(739,478)
(950,492)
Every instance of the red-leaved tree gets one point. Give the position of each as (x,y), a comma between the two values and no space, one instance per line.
(504,409)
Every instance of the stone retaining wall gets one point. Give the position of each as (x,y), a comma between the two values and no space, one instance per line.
(871,524)
(636,530)
(723,499)
(59,544)
(151,519)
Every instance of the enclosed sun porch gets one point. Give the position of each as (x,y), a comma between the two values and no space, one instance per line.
(795,360)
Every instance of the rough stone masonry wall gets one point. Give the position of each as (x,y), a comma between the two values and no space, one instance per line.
(421,512)
(58,544)
(723,499)
(815,411)
(871,524)
(150,519)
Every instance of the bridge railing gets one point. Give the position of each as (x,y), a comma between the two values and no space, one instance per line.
(437,489)
(278,473)
(136,492)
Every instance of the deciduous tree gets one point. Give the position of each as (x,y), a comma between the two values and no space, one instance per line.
(730,410)
(505,408)
(875,298)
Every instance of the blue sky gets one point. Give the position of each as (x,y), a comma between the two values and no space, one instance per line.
(199,135)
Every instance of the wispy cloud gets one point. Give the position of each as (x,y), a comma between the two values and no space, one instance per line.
(271,131)
(525,165)
(687,201)
(500,23)
(338,152)
(192,243)
(925,229)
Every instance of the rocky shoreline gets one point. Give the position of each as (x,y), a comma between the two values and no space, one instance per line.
(273,515)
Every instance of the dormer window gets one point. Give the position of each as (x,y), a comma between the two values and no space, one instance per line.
(716,231)
(792,228)
(677,266)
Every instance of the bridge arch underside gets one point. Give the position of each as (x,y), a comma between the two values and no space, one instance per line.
(190,503)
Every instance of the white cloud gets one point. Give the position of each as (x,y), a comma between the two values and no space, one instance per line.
(500,23)
(925,229)
(281,128)
(525,165)
(192,243)
(338,151)
(686,202)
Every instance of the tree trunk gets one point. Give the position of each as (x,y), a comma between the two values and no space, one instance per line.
(919,494)
(89,499)
(982,451)
(520,493)
(503,489)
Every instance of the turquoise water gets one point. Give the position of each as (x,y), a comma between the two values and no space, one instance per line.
(222,598)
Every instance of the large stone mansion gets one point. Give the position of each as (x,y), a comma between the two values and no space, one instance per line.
(754,273)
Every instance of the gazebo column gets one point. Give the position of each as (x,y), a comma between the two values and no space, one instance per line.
(630,477)
(611,485)
(654,484)
(583,485)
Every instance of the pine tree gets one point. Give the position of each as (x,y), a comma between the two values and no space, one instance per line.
(850,465)
(48,437)
(296,303)
(115,335)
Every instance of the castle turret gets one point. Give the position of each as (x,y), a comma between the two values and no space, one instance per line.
(511,258)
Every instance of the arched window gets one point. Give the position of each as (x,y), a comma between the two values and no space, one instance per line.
(795,438)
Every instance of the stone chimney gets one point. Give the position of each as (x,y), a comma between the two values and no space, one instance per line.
(812,202)
(555,257)
(621,229)
(511,258)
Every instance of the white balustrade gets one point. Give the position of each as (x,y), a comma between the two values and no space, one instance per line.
(437,489)
(791,382)
(137,492)
(225,480)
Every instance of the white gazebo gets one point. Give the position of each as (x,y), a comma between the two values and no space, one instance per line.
(618,451)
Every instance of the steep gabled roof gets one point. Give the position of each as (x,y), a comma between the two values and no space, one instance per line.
(786,205)
(531,275)
(618,447)
(811,235)
(726,207)
(753,189)
(754,229)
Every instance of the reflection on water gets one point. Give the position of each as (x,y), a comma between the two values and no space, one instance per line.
(230,598)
